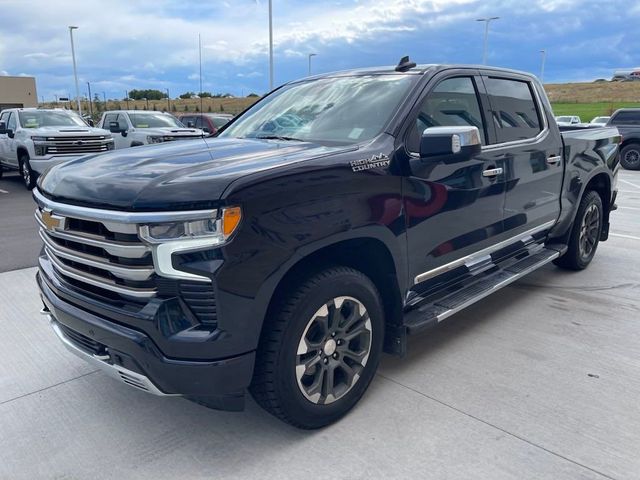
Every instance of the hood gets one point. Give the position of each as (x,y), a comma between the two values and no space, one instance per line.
(170,175)
(65,131)
(171,131)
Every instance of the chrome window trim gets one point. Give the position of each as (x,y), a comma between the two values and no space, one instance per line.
(98,215)
(474,257)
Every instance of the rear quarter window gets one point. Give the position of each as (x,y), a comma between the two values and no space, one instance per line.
(513,109)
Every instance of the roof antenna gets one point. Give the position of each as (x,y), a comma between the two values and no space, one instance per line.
(405,64)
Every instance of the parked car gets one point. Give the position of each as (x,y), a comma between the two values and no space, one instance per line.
(132,128)
(599,121)
(32,140)
(567,120)
(627,121)
(209,123)
(286,261)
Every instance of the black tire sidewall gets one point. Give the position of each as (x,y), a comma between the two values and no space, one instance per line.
(623,153)
(299,408)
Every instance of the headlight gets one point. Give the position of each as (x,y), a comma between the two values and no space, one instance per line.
(154,139)
(215,228)
(168,238)
(39,139)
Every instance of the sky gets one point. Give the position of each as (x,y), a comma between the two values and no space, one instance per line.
(127,44)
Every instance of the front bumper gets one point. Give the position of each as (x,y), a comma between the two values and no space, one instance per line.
(133,358)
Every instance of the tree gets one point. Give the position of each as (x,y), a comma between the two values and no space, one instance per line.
(197,108)
(149,94)
(186,108)
(221,107)
(154,107)
(252,95)
(173,107)
(209,109)
(205,95)
(186,95)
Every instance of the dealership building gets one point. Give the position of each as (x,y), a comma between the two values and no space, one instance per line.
(17,92)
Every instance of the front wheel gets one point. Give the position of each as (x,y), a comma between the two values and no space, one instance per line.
(320,349)
(630,157)
(28,176)
(585,233)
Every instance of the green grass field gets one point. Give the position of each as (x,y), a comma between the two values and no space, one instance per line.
(586,111)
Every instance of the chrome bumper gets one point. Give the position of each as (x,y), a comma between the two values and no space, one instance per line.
(128,377)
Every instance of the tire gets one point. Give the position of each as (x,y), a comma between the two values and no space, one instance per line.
(338,300)
(585,233)
(630,156)
(29,177)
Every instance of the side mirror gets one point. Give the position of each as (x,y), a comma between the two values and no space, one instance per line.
(450,144)
(191,124)
(91,122)
(206,130)
(114,127)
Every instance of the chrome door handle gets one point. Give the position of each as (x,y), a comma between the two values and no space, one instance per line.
(492,172)
(554,159)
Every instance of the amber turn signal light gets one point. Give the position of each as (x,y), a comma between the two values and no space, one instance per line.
(230,220)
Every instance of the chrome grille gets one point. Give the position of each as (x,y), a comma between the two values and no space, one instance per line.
(107,256)
(76,144)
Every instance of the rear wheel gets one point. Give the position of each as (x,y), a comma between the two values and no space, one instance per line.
(28,176)
(585,233)
(320,350)
(630,157)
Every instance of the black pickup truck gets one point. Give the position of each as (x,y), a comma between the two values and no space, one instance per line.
(331,220)
(627,121)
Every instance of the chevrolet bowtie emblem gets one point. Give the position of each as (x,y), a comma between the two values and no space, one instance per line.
(50,221)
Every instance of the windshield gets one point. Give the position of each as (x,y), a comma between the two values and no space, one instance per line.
(43,118)
(340,110)
(564,119)
(153,120)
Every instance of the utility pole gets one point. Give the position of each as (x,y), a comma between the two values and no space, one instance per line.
(75,70)
(200,61)
(126,98)
(168,101)
(544,59)
(311,55)
(270,45)
(486,21)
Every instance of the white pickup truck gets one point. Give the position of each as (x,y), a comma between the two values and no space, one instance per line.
(132,128)
(32,140)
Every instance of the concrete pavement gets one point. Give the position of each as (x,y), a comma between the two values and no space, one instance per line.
(539,381)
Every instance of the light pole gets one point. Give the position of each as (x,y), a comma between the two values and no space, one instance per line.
(75,69)
(486,21)
(311,55)
(270,45)
(126,98)
(90,105)
(168,101)
(543,52)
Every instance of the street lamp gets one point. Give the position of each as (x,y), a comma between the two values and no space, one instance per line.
(270,45)
(486,21)
(168,101)
(311,55)
(544,58)
(75,70)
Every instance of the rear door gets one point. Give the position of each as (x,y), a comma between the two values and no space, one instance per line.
(529,150)
(453,209)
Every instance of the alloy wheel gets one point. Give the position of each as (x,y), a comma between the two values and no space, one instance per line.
(333,350)
(589,231)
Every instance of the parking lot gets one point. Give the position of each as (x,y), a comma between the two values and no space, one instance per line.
(539,381)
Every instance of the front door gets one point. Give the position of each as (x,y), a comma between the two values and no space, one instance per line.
(453,209)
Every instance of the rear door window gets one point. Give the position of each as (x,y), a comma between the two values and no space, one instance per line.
(514,110)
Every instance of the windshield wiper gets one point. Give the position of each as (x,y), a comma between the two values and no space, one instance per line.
(279,137)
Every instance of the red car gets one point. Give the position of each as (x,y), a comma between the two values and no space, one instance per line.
(209,122)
